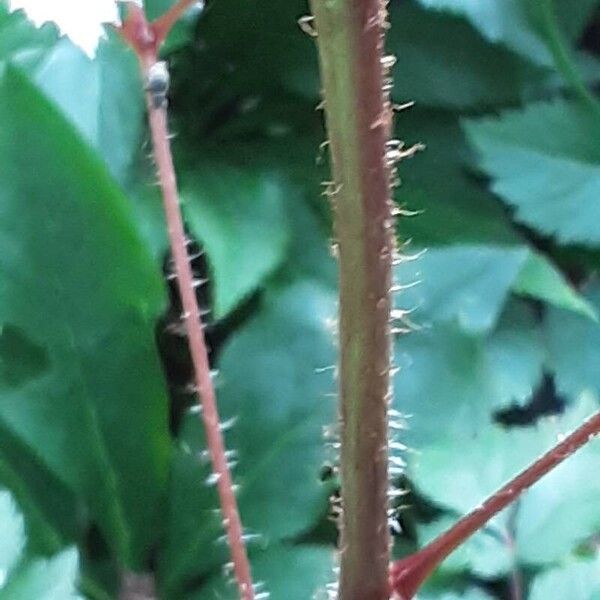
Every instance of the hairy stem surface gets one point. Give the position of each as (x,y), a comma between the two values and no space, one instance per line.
(145,41)
(408,574)
(358,115)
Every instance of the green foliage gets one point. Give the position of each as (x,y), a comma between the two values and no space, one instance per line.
(506,309)
(577,580)
(573,348)
(24,576)
(515,23)
(457,70)
(528,532)
(475,375)
(545,161)
(273,387)
(72,380)
(539,279)
(220,217)
(22,43)
(109,112)
(308,570)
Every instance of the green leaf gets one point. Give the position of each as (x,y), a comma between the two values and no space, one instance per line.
(227,209)
(108,108)
(23,577)
(468,286)
(237,37)
(561,510)
(274,380)
(80,294)
(108,111)
(577,580)
(510,22)
(51,513)
(50,579)
(466,230)
(296,160)
(12,543)
(551,518)
(539,279)
(481,465)
(308,255)
(487,553)
(280,403)
(464,285)
(574,348)
(545,161)
(475,257)
(572,21)
(450,382)
(458,69)
(293,573)
(22,44)
(452,207)
(504,21)
(457,213)
(157,8)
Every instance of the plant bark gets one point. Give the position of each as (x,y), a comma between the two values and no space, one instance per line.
(358,115)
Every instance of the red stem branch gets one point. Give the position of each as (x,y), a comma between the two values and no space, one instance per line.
(143,38)
(408,574)
(165,22)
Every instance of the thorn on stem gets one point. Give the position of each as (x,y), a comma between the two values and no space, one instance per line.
(403,106)
(306,24)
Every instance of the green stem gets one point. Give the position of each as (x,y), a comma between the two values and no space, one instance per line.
(358,114)
(563,59)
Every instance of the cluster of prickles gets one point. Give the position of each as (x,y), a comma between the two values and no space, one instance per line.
(396,150)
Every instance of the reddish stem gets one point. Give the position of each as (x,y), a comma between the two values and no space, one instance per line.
(408,574)
(165,22)
(145,42)
(206,392)
(358,114)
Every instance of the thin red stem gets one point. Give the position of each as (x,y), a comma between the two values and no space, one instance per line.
(197,345)
(142,36)
(408,574)
(165,22)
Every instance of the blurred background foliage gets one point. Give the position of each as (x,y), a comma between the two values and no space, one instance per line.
(101,450)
